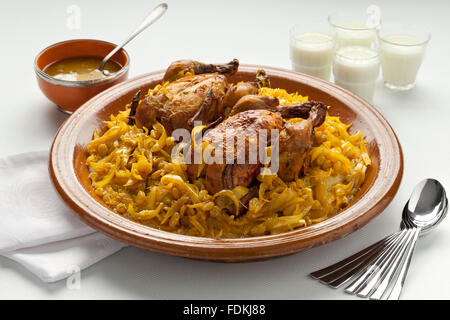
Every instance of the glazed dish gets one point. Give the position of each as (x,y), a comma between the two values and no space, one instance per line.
(66,71)
(70,173)
(137,166)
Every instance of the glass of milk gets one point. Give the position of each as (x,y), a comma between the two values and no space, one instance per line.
(311,52)
(401,52)
(356,68)
(353,29)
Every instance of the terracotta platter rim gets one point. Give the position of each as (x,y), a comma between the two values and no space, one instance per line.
(376,198)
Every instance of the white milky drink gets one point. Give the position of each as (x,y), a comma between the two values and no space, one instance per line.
(354,34)
(354,28)
(401,57)
(312,53)
(356,68)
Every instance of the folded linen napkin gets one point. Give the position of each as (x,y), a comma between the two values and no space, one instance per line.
(36,228)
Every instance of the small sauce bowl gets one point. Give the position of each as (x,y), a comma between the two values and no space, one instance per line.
(70,95)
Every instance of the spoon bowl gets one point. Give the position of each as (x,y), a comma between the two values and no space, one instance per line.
(427,206)
(379,272)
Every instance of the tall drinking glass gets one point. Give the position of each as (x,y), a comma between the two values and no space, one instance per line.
(356,68)
(353,29)
(311,51)
(402,50)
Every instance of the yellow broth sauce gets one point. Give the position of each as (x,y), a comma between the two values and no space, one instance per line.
(81,69)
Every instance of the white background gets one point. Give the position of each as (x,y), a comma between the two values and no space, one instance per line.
(255,32)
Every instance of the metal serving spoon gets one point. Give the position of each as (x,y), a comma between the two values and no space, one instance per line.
(376,267)
(154,15)
(426,208)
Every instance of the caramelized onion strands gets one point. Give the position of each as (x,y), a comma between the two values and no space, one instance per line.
(133,173)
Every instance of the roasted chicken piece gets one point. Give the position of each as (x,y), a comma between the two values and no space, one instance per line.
(255,102)
(180,68)
(179,101)
(202,95)
(295,140)
(242,89)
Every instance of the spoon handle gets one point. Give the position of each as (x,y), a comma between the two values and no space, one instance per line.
(398,285)
(341,275)
(383,268)
(372,268)
(319,274)
(392,269)
(154,15)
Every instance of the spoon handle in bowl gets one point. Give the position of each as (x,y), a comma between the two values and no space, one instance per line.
(154,15)
(398,285)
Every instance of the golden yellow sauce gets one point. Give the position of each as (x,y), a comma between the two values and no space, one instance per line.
(81,69)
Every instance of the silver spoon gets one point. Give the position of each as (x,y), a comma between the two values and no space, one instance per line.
(154,15)
(426,208)
(375,268)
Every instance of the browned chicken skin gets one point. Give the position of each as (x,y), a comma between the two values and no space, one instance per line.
(204,96)
(243,89)
(236,92)
(178,69)
(295,140)
(221,176)
(254,102)
(182,99)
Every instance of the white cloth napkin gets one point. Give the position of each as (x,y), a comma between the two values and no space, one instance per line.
(36,228)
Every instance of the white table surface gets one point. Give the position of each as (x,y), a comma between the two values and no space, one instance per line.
(255,32)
